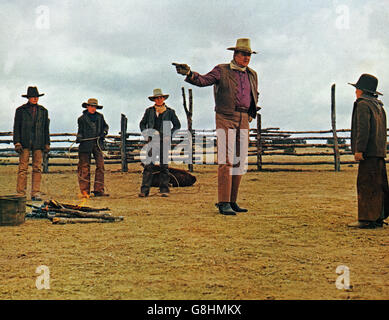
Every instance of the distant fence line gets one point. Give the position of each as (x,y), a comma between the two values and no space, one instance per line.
(125,147)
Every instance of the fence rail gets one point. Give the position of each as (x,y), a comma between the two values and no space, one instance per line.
(264,145)
(268,147)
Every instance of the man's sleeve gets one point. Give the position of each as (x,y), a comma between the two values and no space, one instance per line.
(47,129)
(363,126)
(142,124)
(106,127)
(17,127)
(79,131)
(208,79)
(176,122)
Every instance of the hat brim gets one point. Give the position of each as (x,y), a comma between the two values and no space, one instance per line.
(27,96)
(85,105)
(373,92)
(152,98)
(241,49)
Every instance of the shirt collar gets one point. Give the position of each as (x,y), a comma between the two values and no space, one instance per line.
(234,66)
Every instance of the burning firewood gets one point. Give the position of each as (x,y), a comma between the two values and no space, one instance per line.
(56,204)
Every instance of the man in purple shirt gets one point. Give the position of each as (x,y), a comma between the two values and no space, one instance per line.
(236,98)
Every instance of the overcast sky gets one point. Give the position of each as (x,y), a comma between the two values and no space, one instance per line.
(119,51)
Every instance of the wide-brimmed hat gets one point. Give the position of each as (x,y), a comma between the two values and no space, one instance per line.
(92,102)
(242,44)
(367,83)
(158,93)
(32,92)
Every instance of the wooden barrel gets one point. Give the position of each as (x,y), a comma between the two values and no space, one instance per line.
(12,210)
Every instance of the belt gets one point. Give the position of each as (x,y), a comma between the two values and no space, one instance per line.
(240,109)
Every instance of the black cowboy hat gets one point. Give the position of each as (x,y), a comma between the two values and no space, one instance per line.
(32,92)
(367,83)
(92,102)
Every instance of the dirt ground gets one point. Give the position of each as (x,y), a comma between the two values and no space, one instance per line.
(288,246)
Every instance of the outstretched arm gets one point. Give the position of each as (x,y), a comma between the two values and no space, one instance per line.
(195,78)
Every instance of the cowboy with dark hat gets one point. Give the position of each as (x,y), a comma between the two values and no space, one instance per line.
(31,135)
(236,98)
(154,119)
(368,144)
(92,130)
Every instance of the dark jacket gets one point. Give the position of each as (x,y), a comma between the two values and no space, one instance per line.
(225,90)
(148,120)
(88,129)
(368,127)
(30,133)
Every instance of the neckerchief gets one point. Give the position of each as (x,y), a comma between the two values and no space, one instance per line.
(160,109)
(234,66)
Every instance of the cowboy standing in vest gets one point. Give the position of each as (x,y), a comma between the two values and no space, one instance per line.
(154,119)
(236,98)
(31,134)
(92,130)
(368,144)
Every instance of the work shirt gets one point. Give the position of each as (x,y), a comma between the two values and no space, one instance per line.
(243,93)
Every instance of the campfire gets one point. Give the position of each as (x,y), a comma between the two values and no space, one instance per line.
(61,213)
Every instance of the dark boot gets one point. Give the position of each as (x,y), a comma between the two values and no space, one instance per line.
(225,208)
(100,194)
(363,225)
(236,208)
(380,223)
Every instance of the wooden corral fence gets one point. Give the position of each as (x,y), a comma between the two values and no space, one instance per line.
(118,149)
(263,147)
(270,149)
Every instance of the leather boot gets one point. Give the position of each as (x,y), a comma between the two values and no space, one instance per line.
(363,225)
(236,208)
(225,208)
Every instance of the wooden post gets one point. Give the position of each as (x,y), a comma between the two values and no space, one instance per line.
(46,156)
(190,128)
(123,140)
(204,147)
(333,120)
(189,113)
(259,142)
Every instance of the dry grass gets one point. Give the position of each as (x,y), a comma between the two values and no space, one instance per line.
(287,247)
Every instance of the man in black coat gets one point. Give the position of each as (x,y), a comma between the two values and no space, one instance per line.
(92,129)
(31,134)
(369,144)
(154,119)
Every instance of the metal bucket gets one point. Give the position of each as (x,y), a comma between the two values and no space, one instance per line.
(12,210)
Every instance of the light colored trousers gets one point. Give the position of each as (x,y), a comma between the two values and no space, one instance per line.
(232,144)
(24,158)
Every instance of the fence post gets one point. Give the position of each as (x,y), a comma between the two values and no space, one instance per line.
(46,157)
(189,113)
(190,127)
(333,120)
(259,142)
(123,142)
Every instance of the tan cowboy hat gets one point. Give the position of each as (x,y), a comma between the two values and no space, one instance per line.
(158,93)
(32,92)
(242,44)
(92,102)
